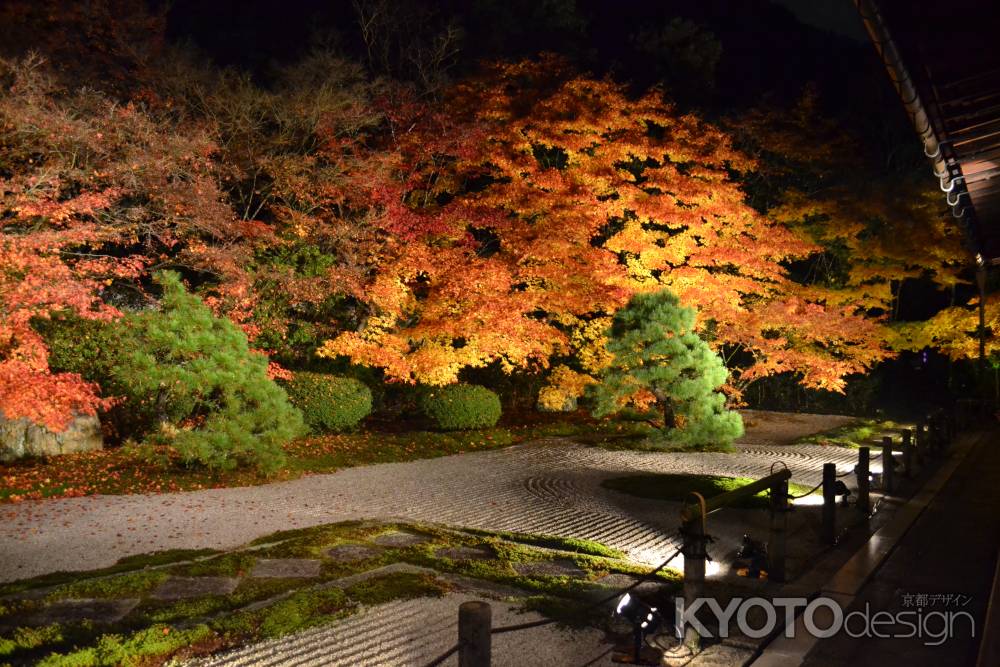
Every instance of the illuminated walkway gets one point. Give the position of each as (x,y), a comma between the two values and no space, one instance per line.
(943,568)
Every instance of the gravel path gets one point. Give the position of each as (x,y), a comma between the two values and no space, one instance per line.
(550,486)
(414,632)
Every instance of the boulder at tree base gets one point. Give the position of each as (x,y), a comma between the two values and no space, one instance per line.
(21,437)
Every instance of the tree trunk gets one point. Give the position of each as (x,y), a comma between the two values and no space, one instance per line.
(161,405)
(667,408)
(669,420)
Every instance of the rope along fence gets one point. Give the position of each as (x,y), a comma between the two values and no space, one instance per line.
(547,621)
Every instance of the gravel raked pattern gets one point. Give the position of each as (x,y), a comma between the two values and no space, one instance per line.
(414,632)
(550,487)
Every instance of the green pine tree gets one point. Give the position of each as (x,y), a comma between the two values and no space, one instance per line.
(656,350)
(210,393)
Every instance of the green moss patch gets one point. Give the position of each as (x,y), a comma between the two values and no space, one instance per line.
(301,610)
(26,639)
(227,565)
(127,564)
(157,630)
(858,434)
(396,586)
(678,487)
(568,544)
(114,650)
(133,584)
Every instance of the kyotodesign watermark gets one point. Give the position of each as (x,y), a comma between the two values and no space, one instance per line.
(823,617)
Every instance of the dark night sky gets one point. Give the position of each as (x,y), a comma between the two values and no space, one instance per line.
(768,48)
(837,16)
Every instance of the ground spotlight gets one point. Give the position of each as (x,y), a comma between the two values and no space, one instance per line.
(754,556)
(644,620)
(840,489)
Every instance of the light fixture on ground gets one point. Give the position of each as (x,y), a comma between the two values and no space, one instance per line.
(645,620)
(840,489)
(753,555)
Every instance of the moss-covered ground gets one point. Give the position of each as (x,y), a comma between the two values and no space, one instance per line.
(857,434)
(679,487)
(156,630)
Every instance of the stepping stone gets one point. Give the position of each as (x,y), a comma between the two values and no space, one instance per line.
(286,568)
(345,582)
(561,567)
(179,588)
(465,553)
(75,611)
(400,539)
(483,587)
(349,553)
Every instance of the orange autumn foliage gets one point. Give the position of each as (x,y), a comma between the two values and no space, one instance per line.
(94,193)
(545,201)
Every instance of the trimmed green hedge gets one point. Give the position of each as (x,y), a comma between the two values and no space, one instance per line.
(460,407)
(329,402)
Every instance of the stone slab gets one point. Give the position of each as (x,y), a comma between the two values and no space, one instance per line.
(180,588)
(720,655)
(345,582)
(465,553)
(349,553)
(561,567)
(286,568)
(75,611)
(400,539)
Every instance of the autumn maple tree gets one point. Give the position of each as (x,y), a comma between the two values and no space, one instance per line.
(878,222)
(94,193)
(560,198)
(502,226)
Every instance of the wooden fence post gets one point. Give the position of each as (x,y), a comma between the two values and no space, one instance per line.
(888,466)
(908,453)
(693,531)
(779,528)
(829,503)
(864,481)
(474,624)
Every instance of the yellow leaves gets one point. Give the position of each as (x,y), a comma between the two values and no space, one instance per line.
(588,343)
(564,387)
(953,330)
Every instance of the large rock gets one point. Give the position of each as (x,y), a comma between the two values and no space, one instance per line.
(20,437)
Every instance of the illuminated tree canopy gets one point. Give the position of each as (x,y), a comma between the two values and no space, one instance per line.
(496,222)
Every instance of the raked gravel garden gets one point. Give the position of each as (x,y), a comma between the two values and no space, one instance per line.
(232,567)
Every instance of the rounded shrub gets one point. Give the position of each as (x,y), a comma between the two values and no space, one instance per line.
(458,407)
(95,349)
(329,402)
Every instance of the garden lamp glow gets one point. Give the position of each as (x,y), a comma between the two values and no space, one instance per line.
(644,619)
